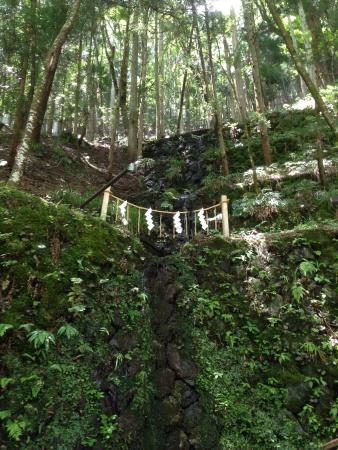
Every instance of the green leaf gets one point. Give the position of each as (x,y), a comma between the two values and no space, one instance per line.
(68,330)
(77,308)
(4,327)
(297,291)
(15,429)
(41,338)
(4,414)
(4,382)
(307,268)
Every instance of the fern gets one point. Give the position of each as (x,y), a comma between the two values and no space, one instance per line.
(67,330)
(4,327)
(41,338)
(298,291)
(15,429)
(307,268)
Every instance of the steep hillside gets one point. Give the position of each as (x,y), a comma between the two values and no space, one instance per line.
(223,345)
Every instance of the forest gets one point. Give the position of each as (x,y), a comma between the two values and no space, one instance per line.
(168,224)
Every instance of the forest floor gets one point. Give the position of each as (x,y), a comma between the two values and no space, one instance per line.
(56,165)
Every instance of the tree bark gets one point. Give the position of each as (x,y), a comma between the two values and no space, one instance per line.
(118,102)
(158,79)
(249,20)
(239,82)
(300,67)
(184,84)
(39,103)
(217,110)
(78,90)
(142,90)
(133,101)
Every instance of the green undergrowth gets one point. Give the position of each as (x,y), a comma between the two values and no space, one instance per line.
(69,285)
(261,321)
(257,316)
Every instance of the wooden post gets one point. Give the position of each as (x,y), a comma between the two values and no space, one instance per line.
(105,203)
(225,216)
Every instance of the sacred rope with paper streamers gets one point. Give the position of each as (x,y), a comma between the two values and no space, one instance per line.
(194,217)
(201,218)
(149,219)
(123,212)
(178,223)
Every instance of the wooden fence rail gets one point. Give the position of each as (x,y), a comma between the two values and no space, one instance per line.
(191,223)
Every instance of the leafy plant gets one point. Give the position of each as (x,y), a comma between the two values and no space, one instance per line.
(67,330)
(41,338)
(4,327)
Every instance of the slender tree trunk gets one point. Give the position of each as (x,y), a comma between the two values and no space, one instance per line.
(44,87)
(320,49)
(205,77)
(20,113)
(51,114)
(184,84)
(25,101)
(133,101)
(78,90)
(300,67)
(249,19)
(118,102)
(159,78)
(320,162)
(217,110)
(239,82)
(313,72)
(233,97)
(303,89)
(142,90)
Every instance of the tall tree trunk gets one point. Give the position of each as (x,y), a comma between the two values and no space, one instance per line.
(207,95)
(184,84)
(303,89)
(25,101)
(239,82)
(217,110)
(158,79)
(142,90)
(320,49)
(20,113)
(133,101)
(42,93)
(310,63)
(300,67)
(78,90)
(249,19)
(121,93)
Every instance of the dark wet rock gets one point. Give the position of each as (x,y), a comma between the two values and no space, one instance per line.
(177,440)
(184,394)
(164,382)
(170,411)
(297,396)
(126,341)
(192,416)
(184,368)
(129,422)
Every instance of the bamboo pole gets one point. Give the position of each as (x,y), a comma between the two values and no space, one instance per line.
(225,216)
(105,204)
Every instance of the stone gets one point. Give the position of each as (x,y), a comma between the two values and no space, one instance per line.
(184,394)
(126,341)
(170,411)
(192,416)
(184,368)
(164,382)
(297,396)
(177,440)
